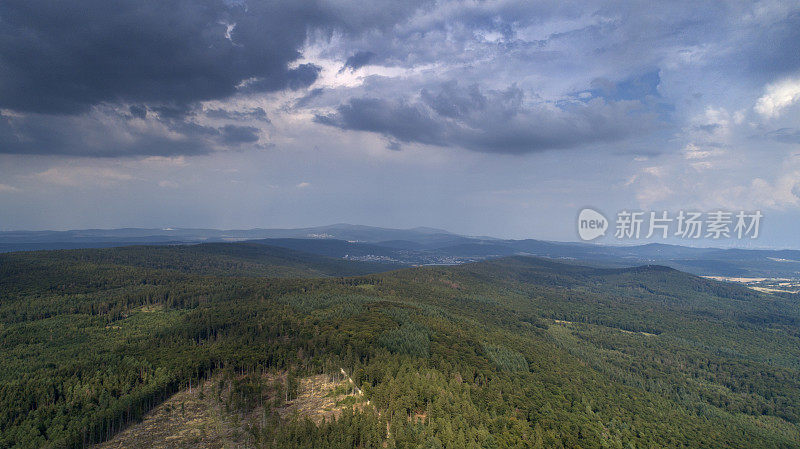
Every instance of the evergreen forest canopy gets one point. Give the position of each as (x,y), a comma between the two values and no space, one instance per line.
(513,352)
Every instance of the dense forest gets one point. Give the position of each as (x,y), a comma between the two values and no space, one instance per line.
(514,352)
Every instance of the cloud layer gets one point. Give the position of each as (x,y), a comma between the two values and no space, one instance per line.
(65,57)
(147,77)
(457,114)
(492,121)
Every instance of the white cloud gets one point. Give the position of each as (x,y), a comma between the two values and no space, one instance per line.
(778,96)
(658,172)
(760,194)
(176,161)
(781,193)
(699,155)
(5,188)
(303,185)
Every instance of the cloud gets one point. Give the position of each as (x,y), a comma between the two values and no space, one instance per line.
(168,184)
(232,134)
(110,132)
(138,111)
(702,157)
(5,188)
(400,120)
(77,176)
(769,41)
(782,193)
(358,60)
(785,135)
(125,79)
(491,121)
(251,114)
(60,63)
(63,66)
(165,161)
(778,97)
(61,57)
(303,185)
(193,77)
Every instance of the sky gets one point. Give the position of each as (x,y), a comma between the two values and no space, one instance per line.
(500,118)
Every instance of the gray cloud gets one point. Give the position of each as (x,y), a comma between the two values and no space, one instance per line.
(64,57)
(46,134)
(66,66)
(785,135)
(106,132)
(62,62)
(358,60)
(253,114)
(138,111)
(773,50)
(492,121)
(402,121)
(233,134)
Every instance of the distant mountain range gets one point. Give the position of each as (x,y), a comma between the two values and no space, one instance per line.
(425,246)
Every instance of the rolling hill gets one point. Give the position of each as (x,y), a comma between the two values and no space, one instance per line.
(427,246)
(511,352)
(221,259)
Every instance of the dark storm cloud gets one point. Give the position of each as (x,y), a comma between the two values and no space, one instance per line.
(402,121)
(138,111)
(62,63)
(253,114)
(172,113)
(309,98)
(93,136)
(452,102)
(68,68)
(64,57)
(108,133)
(233,134)
(491,121)
(358,60)
(297,78)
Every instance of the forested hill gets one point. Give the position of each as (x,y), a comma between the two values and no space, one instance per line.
(220,259)
(514,352)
